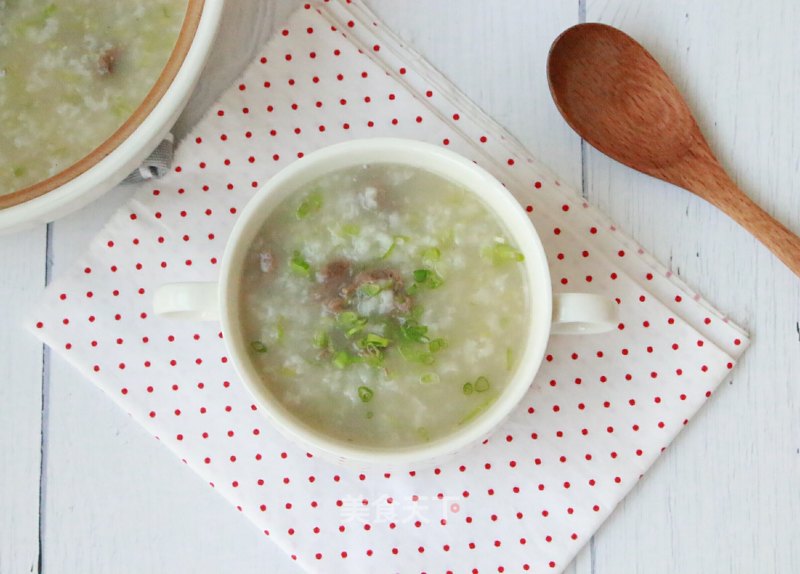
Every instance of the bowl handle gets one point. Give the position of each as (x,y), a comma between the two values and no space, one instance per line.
(187,301)
(582,314)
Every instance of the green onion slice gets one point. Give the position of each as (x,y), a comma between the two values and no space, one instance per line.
(429,379)
(437,345)
(258,346)
(421,275)
(311,204)
(503,253)
(321,339)
(370,289)
(365,394)
(299,265)
(431,254)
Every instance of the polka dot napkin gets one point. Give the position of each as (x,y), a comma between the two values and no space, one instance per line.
(598,415)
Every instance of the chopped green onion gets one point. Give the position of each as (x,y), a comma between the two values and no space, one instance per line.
(481,384)
(431,254)
(346,318)
(413,331)
(435,280)
(397,240)
(300,265)
(370,289)
(477,410)
(416,312)
(370,414)
(344,359)
(279,330)
(321,340)
(502,253)
(417,354)
(373,340)
(350,323)
(421,275)
(373,357)
(355,329)
(365,394)
(427,277)
(437,345)
(467,388)
(311,204)
(429,379)
(389,251)
(447,238)
(351,229)
(258,346)
(19,171)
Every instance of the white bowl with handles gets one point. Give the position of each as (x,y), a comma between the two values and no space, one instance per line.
(573,313)
(122,157)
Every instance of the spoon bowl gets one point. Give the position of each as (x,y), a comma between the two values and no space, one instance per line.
(619,99)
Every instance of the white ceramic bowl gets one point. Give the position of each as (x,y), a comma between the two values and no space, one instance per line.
(129,153)
(575,313)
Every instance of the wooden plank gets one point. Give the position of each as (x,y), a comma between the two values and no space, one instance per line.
(22,258)
(495,51)
(724,497)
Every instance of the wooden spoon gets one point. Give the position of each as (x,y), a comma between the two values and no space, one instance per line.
(617,97)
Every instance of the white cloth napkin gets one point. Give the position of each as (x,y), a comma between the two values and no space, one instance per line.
(156,164)
(599,413)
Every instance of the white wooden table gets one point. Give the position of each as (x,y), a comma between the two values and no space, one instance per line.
(84,489)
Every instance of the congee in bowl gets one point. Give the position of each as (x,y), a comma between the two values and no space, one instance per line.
(384,306)
(71,74)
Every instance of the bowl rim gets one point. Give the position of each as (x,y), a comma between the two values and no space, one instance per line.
(348,154)
(184,41)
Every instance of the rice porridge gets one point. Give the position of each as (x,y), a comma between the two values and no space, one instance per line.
(384,305)
(71,73)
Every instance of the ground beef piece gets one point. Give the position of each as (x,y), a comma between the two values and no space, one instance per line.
(402,301)
(108,61)
(333,278)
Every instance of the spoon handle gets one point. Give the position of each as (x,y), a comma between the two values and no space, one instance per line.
(784,244)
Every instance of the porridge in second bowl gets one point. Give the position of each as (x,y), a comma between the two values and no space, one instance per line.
(71,73)
(384,305)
